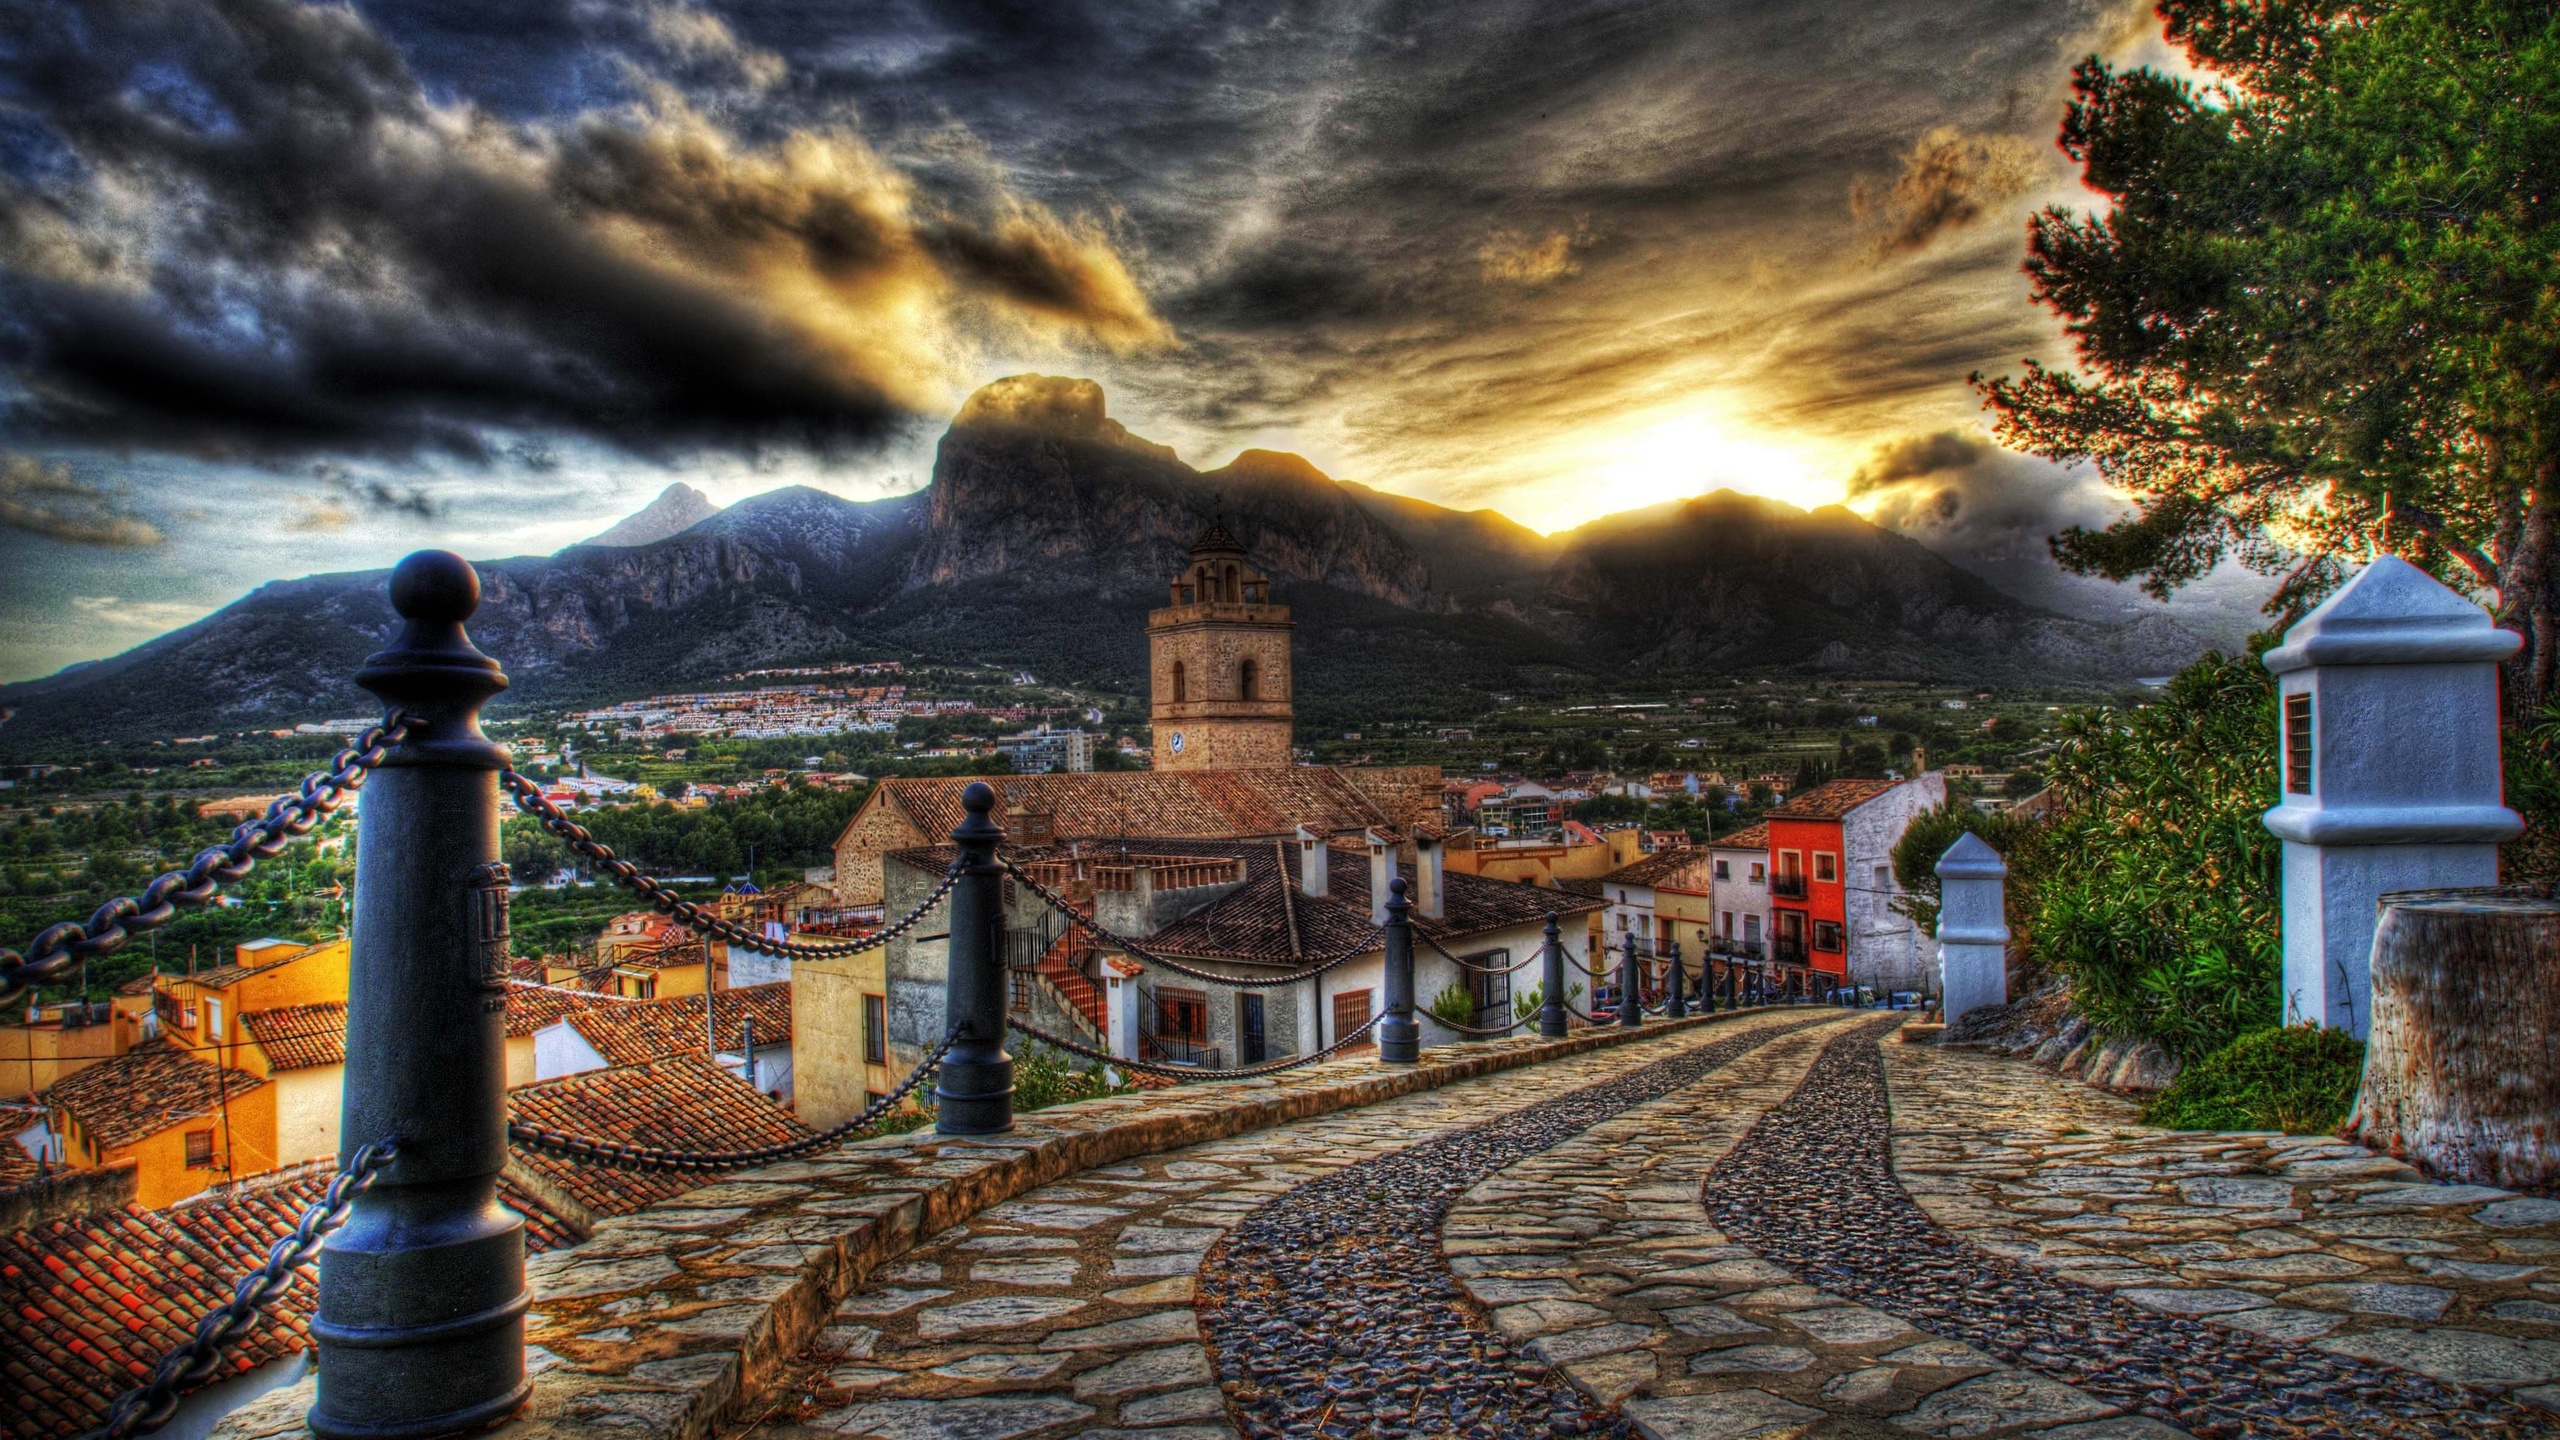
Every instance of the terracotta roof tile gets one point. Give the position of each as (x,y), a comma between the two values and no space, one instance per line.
(300,1037)
(87,1306)
(1752,837)
(630,1032)
(144,1091)
(1270,921)
(1831,800)
(533,1006)
(684,1102)
(1668,867)
(1196,804)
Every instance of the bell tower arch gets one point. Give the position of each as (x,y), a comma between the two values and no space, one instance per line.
(1219,664)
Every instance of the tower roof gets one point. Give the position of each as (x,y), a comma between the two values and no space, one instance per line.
(1216,541)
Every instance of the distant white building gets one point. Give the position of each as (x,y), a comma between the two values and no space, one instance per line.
(1041,751)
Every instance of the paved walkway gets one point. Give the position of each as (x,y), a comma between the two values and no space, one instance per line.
(1725,1234)
(2294,1237)
(1070,1310)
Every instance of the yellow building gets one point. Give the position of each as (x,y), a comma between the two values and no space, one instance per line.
(184,1123)
(58,1042)
(840,1033)
(1543,863)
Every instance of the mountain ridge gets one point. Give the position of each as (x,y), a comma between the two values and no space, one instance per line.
(1048,531)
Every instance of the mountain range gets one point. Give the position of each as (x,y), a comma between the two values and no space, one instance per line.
(1048,531)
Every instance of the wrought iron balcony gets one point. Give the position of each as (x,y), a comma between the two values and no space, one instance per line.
(1788,885)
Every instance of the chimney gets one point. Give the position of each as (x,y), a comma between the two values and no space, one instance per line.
(1382,868)
(1430,877)
(1314,874)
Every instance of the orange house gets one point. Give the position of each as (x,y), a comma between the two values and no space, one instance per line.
(184,1124)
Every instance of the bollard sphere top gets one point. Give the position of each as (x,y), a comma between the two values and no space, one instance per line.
(1397,887)
(978,798)
(436,586)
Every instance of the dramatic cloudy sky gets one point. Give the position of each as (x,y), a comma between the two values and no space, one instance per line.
(288,287)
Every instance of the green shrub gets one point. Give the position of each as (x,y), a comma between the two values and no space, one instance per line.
(1526,1004)
(1455,1005)
(2300,1079)
(1043,1077)
(2158,888)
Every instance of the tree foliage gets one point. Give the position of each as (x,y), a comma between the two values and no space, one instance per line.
(2324,304)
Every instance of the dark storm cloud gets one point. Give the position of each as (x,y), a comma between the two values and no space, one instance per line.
(1428,229)
(1964,495)
(246,228)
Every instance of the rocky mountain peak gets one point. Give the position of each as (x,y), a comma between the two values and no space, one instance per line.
(677,509)
(1052,405)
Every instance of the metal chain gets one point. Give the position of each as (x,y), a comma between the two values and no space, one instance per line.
(58,947)
(1443,952)
(625,1156)
(1476,1029)
(1186,1072)
(149,1406)
(530,799)
(1063,906)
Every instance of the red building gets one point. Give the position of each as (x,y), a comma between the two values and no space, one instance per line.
(1809,851)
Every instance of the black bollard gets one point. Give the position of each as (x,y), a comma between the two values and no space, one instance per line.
(1630,1005)
(420,1327)
(1551,982)
(973,1094)
(1673,1007)
(1399,1038)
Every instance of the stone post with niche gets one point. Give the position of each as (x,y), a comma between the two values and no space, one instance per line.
(2387,713)
(1973,927)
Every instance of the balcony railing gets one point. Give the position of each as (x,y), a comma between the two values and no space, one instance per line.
(1788,952)
(1787,885)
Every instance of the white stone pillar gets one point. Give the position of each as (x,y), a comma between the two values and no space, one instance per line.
(1382,868)
(1120,997)
(1430,878)
(2390,774)
(1973,927)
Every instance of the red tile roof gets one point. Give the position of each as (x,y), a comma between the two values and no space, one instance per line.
(144,1091)
(1753,837)
(634,1031)
(1832,800)
(88,1306)
(300,1037)
(1268,920)
(532,1006)
(1666,868)
(684,1102)
(1194,804)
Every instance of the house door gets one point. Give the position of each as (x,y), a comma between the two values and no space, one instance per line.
(1249,1032)
(1350,1012)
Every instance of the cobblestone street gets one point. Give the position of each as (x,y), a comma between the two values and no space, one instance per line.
(1697,1237)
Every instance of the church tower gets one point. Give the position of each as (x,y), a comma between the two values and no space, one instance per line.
(1218,660)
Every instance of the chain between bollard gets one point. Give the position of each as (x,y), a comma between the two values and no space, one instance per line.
(1443,952)
(529,798)
(1477,1029)
(625,1156)
(58,947)
(150,1405)
(1065,907)
(1187,1072)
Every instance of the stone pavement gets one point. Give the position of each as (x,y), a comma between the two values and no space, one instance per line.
(1598,1254)
(2295,1237)
(1070,1309)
